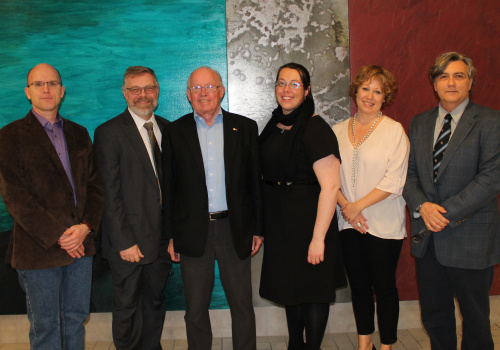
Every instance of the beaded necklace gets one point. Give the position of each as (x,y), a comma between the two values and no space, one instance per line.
(354,171)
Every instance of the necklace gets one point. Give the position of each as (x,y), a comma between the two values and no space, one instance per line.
(355,158)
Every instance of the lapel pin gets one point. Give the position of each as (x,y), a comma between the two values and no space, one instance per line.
(235,129)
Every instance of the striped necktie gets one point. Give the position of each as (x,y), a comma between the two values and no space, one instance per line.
(441,144)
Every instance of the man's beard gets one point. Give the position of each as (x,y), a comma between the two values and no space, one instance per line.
(143,112)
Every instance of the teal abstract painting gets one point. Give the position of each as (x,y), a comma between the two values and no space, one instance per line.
(91,43)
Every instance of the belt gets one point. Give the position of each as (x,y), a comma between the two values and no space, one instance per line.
(218,215)
(290,183)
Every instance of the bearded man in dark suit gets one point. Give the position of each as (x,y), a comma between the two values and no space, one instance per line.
(452,190)
(50,186)
(213,208)
(133,240)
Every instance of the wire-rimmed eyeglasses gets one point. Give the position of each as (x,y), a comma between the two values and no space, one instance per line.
(136,90)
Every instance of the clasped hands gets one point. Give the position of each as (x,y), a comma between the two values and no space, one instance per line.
(72,240)
(351,213)
(432,214)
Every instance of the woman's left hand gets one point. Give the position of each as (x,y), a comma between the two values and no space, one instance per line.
(316,253)
(350,211)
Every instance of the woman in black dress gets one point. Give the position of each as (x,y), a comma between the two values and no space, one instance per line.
(302,263)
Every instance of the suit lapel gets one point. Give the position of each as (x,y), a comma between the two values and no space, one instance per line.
(230,140)
(193,142)
(463,128)
(429,124)
(135,139)
(38,133)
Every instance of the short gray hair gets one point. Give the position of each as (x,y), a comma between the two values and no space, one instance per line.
(445,59)
(219,78)
(138,70)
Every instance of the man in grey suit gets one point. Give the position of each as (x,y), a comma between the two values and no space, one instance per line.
(133,239)
(452,191)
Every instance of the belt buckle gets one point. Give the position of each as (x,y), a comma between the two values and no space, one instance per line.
(210,216)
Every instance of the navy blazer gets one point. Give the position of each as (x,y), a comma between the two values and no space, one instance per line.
(467,186)
(132,209)
(185,191)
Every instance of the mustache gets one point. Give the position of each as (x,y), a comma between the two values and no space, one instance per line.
(143,99)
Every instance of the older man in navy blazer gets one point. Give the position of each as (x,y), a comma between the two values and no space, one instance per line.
(213,208)
(452,191)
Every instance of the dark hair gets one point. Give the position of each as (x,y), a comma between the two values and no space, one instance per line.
(443,60)
(304,76)
(367,73)
(138,70)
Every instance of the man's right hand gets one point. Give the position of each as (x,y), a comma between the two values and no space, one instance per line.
(173,255)
(432,214)
(132,254)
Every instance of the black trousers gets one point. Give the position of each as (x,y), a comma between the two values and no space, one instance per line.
(198,275)
(139,303)
(437,285)
(371,263)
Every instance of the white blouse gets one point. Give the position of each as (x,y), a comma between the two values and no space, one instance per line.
(382,164)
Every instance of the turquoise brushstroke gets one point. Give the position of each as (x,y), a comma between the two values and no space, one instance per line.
(91,43)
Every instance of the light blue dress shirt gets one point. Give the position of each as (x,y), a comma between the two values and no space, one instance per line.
(212,149)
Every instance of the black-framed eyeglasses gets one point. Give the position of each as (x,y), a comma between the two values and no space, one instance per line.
(135,90)
(208,88)
(41,84)
(292,85)
(419,237)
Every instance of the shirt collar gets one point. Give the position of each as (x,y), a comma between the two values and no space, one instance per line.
(139,122)
(200,120)
(456,114)
(44,121)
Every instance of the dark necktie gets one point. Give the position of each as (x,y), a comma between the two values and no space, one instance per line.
(441,144)
(156,151)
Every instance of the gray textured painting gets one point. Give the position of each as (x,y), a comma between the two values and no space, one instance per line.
(263,35)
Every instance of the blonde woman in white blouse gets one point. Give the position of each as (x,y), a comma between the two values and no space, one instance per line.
(374,151)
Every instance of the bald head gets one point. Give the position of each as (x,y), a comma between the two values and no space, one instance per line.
(44,67)
(44,97)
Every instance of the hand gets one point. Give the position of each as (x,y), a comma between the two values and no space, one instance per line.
(316,253)
(173,255)
(132,254)
(78,252)
(256,243)
(73,238)
(350,211)
(432,214)
(363,226)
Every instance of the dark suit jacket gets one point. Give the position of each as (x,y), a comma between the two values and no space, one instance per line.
(185,190)
(38,194)
(132,211)
(467,186)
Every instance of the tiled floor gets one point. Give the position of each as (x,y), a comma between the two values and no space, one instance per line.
(409,339)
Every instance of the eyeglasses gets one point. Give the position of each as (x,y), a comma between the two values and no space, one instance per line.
(208,88)
(419,237)
(147,89)
(291,85)
(41,84)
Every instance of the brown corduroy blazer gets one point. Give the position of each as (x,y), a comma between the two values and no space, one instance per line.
(38,194)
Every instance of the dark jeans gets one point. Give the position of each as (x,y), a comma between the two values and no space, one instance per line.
(198,275)
(437,285)
(371,263)
(58,303)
